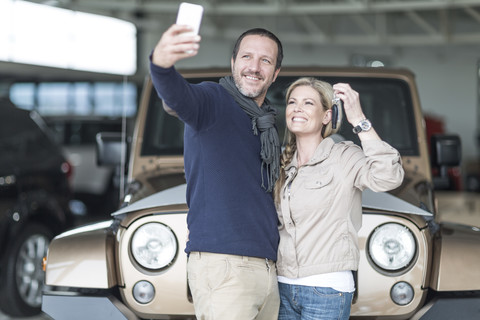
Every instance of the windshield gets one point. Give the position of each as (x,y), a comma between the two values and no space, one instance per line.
(386,102)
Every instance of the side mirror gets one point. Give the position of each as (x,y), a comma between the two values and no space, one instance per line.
(446,150)
(109,148)
(446,153)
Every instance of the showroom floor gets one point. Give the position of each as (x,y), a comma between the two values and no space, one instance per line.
(41,317)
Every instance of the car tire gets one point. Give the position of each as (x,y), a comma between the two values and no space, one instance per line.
(22,277)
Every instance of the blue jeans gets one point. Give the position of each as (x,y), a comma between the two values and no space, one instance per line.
(313,303)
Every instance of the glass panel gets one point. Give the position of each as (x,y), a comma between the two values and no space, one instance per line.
(111,99)
(104,97)
(82,98)
(163,133)
(386,102)
(53,98)
(108,99)
(23,95)
(127,97)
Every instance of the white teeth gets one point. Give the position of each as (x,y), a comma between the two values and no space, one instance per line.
(299,119)
(251,78)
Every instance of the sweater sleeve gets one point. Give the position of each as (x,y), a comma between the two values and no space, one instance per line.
(193,103)
(380,167)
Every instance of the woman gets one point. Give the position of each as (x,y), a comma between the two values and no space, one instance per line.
(319,199)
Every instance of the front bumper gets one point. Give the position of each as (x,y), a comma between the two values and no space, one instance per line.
(451,306)
(80,307)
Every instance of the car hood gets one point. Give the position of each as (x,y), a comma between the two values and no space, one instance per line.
(171,196)
(370,200)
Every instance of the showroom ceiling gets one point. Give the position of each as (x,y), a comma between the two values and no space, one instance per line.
(327,22)
(374,23)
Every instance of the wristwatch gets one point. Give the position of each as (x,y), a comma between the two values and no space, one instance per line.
(364,125)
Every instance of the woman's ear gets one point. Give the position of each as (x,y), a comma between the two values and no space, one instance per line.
(327,117)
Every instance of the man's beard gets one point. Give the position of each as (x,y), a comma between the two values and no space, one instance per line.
(258,92)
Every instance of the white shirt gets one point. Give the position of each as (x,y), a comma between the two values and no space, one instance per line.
(341,281)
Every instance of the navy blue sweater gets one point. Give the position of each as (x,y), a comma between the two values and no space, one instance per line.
(229,211)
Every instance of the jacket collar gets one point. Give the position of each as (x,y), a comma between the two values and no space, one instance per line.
(321,153)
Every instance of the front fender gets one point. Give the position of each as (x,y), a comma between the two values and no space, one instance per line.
(83,258)
(456,259)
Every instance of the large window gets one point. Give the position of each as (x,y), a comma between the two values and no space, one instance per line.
(108,99)
(77,111)
(43,35)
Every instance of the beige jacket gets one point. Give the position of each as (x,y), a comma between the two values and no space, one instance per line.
(320,209)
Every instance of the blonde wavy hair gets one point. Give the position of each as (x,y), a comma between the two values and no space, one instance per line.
(326,94)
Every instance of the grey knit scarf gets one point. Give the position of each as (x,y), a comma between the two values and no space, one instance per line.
(263,120)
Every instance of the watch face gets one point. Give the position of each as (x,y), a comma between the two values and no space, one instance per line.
(366,125)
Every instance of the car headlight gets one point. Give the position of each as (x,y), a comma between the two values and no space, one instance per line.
(153,246)
(392,247)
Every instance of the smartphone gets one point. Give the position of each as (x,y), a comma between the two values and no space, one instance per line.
(190,14)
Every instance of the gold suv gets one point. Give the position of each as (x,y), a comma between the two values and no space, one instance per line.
(412,266)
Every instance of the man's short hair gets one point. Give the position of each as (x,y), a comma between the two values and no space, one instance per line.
(264,33)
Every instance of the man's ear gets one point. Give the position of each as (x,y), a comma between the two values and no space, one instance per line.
(231,64)
(275,74)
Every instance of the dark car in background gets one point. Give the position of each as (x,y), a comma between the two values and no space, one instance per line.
(97,187)
(76,110)
(35,195)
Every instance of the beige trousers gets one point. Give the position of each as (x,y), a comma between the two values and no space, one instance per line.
(229,287)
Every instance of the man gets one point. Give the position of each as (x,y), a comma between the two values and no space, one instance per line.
(231,164)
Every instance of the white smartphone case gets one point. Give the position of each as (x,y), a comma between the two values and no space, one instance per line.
(190,14)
